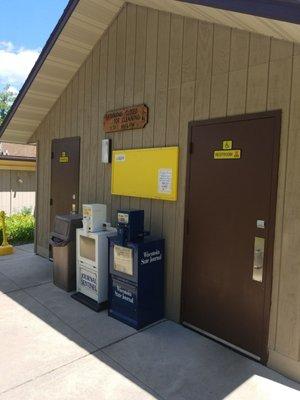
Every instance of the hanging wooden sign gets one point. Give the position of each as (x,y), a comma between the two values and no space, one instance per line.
(135,117)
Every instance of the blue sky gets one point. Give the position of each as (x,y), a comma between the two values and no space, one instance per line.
(25,26)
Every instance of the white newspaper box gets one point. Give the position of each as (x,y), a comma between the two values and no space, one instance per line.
(92,267)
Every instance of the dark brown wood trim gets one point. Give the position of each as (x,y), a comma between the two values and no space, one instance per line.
(37,198)
(66,139)
(276,115)
(17,158)
(281,10)
(186,217)
(239,117)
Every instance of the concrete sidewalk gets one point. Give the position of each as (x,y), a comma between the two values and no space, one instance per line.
(55,348)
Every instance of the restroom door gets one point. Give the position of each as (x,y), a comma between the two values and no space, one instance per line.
(229,236)
(65,161)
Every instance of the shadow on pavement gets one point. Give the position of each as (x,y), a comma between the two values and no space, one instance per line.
(54,347)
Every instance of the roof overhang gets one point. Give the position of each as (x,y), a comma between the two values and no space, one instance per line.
(17,164)
(280,10)
(83,23)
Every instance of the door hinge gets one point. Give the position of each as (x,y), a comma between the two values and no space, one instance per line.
(191,147)
(52,155)
(51,202)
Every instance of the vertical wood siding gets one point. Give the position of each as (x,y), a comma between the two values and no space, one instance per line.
(15,195)
(183,70)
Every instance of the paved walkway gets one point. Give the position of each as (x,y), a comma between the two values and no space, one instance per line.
(54,348)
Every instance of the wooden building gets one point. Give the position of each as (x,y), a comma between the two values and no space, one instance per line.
(237,72)
(17,177)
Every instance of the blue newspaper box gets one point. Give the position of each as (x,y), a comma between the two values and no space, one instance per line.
(136,287)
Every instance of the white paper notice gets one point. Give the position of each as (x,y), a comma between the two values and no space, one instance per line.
(165,180)
(123,260)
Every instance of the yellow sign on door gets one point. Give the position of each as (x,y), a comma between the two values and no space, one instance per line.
(227,154)
(227,145)
(64,158)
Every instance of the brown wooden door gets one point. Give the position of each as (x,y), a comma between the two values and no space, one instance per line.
(64,176)
(227,200)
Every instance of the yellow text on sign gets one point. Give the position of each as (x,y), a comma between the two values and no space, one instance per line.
(227,145)
(64,159)
(148,173)
(227,154)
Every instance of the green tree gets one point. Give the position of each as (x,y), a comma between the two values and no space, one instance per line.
(7,97)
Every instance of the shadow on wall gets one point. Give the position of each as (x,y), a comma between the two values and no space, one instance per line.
(166,361)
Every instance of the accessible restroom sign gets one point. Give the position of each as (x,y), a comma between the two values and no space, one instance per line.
(228,153)
(64,158)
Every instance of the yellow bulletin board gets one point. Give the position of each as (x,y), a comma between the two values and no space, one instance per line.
(147,173)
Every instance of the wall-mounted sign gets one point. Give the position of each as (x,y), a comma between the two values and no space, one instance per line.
(227,145)
(165,180)
(64,158)
(150,173)
(126,118)
(228,153)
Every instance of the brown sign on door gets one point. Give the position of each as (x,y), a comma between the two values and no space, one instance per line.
(229,237)
(126,118)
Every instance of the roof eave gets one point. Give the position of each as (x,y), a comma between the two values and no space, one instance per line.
(41,59)
(280,10)
(18,158)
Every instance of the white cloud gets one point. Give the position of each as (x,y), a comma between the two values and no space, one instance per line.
(15,63)
(13,89)
(8,46)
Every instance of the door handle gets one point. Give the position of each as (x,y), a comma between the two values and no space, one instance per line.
(258,259)
(73,204)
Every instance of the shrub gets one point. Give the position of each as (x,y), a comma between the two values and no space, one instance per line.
(20,228)
(26,211)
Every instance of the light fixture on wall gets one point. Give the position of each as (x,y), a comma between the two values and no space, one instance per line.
(20,180)
(106,151)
